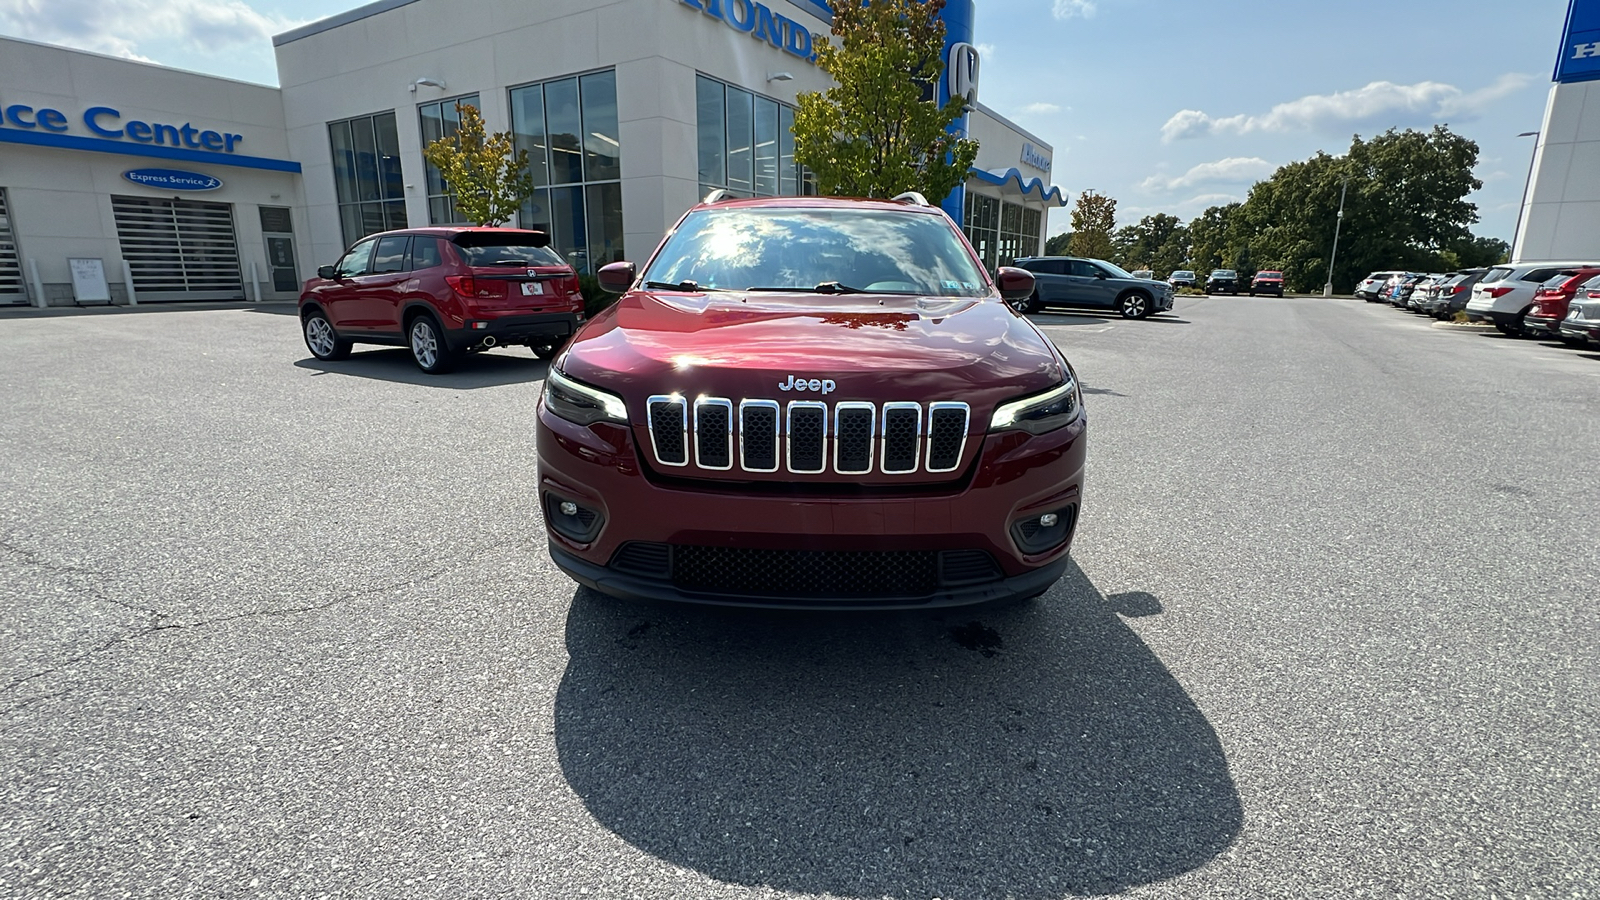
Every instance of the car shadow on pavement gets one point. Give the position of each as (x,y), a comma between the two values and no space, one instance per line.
(1028,752)
(479,370)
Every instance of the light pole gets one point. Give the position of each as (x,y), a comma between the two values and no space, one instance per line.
(1327,289)
(1517,232)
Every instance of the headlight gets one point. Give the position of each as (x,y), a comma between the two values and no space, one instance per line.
(580,403)
(1039,413)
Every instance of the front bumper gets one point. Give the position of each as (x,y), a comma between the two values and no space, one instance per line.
(540,328)
(1016,477)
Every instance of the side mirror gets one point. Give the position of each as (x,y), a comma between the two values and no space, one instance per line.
(1101,274)
(1014,283)
(617,277)
(327,273)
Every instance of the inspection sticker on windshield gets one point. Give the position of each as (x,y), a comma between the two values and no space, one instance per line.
(532,288)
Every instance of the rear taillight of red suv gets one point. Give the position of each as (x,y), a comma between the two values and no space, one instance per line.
(470,288)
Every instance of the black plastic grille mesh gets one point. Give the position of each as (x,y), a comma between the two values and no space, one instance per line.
(900,439)
(644,558)
(666,422)
(712,436)
(806,428)
(967,567)
(854,438)
(806,574)
(759,431)
(946,429)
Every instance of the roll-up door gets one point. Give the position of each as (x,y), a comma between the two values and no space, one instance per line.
(12,289)
(179,249)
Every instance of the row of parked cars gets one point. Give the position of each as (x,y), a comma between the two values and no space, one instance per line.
(1558,301)
(1227,281)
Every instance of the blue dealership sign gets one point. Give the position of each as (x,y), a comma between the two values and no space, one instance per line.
(173,180)
(1580,44)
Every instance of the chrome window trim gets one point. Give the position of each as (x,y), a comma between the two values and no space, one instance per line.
(883,439)
(778,448)
(966,427)
(788,436)
(650,422)
(872,427)
(727,405)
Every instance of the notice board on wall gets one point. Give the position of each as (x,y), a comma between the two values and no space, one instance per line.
(89,281)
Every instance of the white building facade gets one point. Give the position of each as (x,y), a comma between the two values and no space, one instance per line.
(1560,216)
(630,112)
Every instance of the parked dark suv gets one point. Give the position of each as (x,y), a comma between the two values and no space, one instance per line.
(1091,284)
(1222,281)
(443,292)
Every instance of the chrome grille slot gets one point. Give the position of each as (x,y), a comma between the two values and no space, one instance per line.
(669,429)
(852,437)
(947,435)
(713,433)
(807,436)
(758,435)
(902,438)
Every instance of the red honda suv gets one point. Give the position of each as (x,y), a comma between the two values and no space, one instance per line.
(1552,301)
(443,292)
(812,403)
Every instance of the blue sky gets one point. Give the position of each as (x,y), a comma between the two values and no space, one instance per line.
(1166,106)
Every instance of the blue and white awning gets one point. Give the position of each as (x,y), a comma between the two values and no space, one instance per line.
(1028,187)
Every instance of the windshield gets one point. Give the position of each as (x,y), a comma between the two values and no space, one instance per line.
(1222,273)
(774,248)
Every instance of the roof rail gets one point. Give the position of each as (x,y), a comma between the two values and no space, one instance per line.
(718,195)
(913,198)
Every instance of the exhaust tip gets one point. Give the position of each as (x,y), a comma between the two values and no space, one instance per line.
(488,340)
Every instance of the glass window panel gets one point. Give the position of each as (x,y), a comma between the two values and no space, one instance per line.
(787,177)
(536,213)
(350,223)
(568,234)
(394,214)
(740,129)
(712,126)
(432,130)
(527,127)
(601,148)
(425,252)
(391,255)
(439,210)
(344,161)
(766,121)
(372,218)
(564,124)
(605,224)
(366,157)
(391,183)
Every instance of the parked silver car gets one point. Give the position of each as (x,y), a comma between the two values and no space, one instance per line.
(1091,284)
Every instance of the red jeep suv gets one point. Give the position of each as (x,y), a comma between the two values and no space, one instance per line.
(443,292)
(812,402)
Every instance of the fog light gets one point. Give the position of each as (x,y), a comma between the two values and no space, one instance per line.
(568,508)
(1049,520)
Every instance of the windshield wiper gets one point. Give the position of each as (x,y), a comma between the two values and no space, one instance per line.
(688,287)
(827,287)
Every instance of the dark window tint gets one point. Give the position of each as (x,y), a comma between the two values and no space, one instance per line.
(391,254)
(486,250)
(425,253)
(1083,269)
(1047,266)
(1538,276)
(355,262)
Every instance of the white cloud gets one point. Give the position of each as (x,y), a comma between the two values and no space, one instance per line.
(1074,9)
(1234,169)
(1381,102)
(984,50)
(118,27)
(1039,109)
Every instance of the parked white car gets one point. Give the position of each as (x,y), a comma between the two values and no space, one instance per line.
(1504,295)
(1371,287)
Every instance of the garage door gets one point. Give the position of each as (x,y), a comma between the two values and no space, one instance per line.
(179,249)
(11,284)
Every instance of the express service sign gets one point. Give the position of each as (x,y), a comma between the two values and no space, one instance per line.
(173,180)
(1580,48)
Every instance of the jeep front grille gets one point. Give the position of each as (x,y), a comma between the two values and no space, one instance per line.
(777,575)
(808,437)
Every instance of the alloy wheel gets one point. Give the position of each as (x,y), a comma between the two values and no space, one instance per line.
(319,335)
(1133,306)
(424,344)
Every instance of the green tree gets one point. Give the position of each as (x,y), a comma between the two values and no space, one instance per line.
(875,133)
(1057,246)
(489,180)
(1094,220)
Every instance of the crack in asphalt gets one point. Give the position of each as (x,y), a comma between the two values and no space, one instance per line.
(153,629)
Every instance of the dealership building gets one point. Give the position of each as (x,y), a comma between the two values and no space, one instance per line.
(1560,216)
(122,181)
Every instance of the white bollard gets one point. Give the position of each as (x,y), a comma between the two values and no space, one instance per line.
(254,281)
(127,279)
(38,286)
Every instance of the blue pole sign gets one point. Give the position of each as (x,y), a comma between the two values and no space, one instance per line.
(173,180)
(1580,44)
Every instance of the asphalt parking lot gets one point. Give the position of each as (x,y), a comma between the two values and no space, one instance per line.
(272,627)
